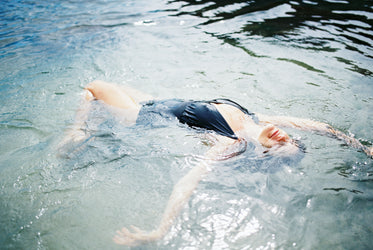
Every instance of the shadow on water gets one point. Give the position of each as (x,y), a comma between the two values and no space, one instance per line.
(318,25)
(356,171)
(118,176)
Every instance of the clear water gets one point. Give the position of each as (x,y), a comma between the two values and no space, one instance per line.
(310,58)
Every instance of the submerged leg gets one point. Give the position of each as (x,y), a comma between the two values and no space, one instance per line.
(137,95)
(123,100)
(76,133)
(117,96)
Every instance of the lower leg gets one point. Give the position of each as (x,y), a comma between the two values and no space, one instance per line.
(76,132)
(125,106)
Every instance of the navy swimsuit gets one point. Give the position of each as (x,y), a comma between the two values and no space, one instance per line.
(196,114)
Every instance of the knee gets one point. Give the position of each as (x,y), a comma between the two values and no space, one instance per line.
(96,87)
(90,89)
(88,95)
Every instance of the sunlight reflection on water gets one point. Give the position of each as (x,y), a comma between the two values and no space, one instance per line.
(301,58)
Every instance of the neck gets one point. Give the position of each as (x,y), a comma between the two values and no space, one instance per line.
(250,130)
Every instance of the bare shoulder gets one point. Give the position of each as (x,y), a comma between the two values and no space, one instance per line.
(234,117)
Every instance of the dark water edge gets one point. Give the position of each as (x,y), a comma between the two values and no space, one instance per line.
(312,25)
(50,49)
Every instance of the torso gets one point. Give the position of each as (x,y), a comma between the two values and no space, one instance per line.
(234,117)
(222,115)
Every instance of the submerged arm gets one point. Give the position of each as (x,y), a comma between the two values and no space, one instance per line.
(320,127)
(179,197)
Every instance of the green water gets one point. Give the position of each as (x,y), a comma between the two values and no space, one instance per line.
(307,59)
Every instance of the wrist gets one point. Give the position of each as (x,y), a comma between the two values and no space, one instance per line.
(155,235)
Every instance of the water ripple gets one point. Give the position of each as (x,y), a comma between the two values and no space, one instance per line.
(314,25)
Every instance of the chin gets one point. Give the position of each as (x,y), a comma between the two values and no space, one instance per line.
(285,149)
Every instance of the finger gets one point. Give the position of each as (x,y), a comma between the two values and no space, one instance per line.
(120,233)
(128,234)
(137,230)
(124,241)
(124,233)
(119,240)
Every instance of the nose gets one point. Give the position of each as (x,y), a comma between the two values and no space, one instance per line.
(272,132)
(268,128)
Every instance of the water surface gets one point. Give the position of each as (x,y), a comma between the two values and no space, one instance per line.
(309,59)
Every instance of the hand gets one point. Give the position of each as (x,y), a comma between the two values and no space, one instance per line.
(369,151)
(137,237)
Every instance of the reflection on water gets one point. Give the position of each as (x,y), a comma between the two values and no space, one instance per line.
(308,58)
(315,25)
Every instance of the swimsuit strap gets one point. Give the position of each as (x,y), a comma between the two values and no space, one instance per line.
(235,104)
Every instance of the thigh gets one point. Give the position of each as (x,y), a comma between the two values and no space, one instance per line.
(137,95)
(112,94)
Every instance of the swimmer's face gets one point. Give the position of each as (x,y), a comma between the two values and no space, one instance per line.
(271,136)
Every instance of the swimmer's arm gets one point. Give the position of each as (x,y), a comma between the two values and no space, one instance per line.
(179,197)
(293,122)
(320,127)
